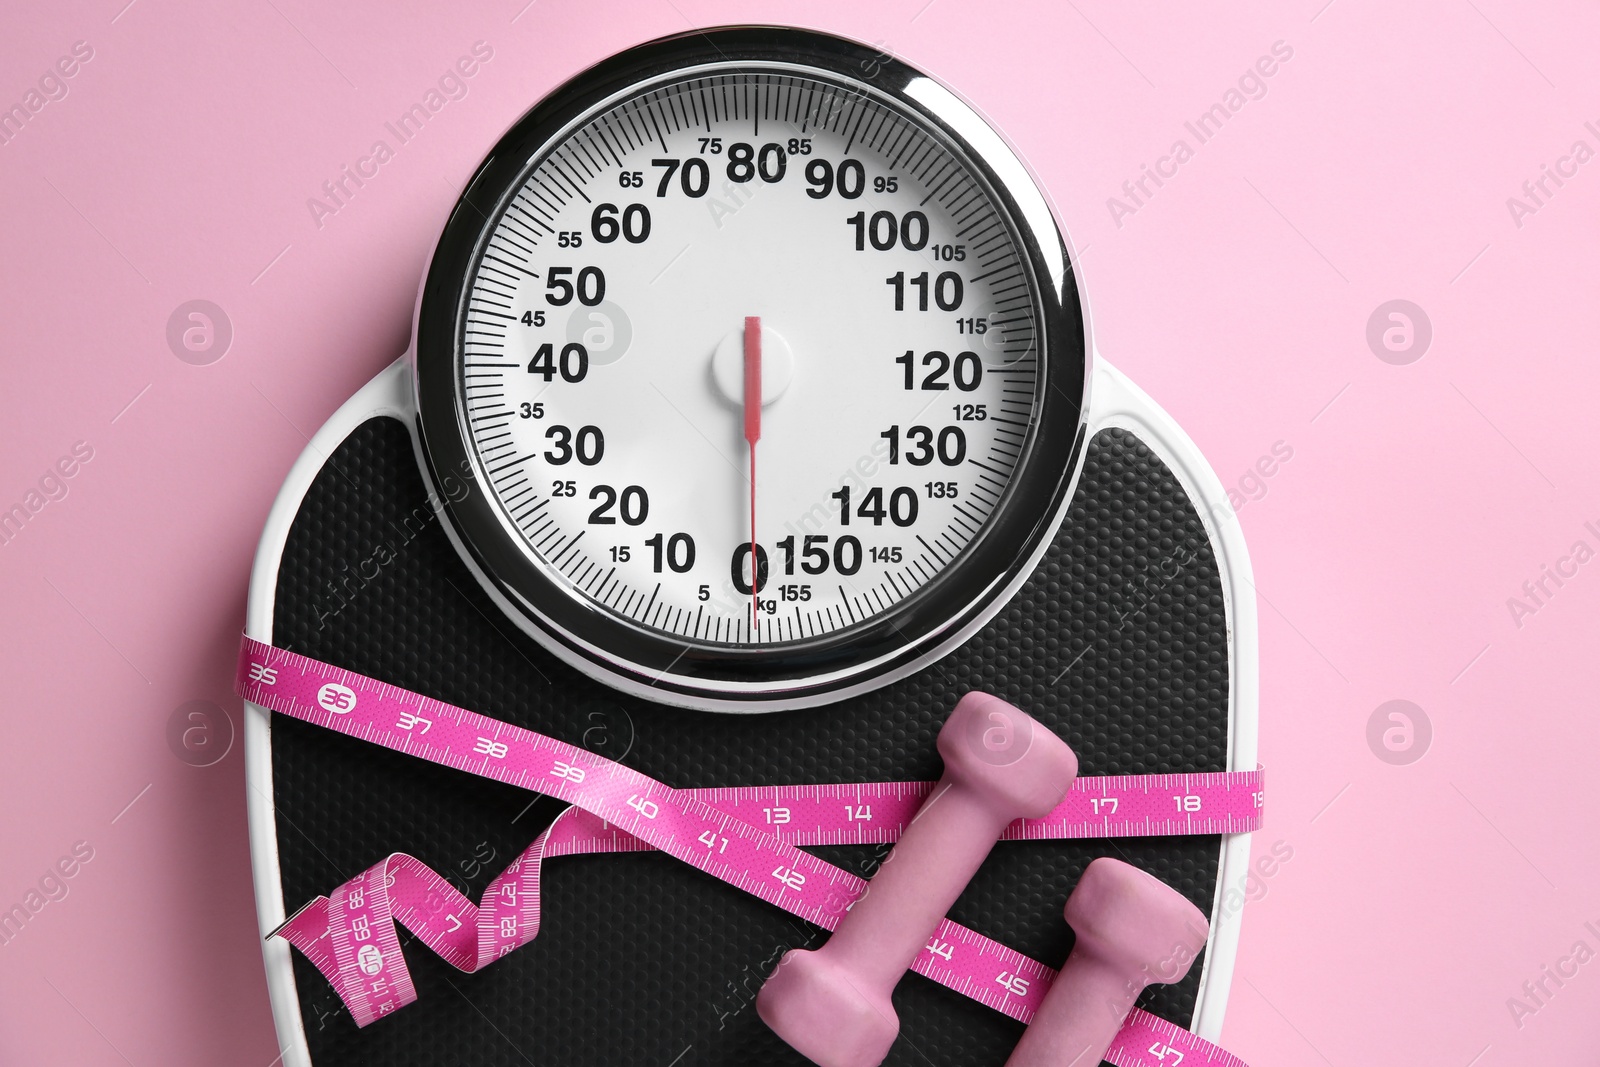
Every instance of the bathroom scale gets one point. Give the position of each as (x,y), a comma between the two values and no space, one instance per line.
(751,417)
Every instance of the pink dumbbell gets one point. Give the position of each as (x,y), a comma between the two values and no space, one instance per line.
(832,1005)
(1133,929)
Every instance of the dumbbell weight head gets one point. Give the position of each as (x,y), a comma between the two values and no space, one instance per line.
(1007,758)
(833,1004)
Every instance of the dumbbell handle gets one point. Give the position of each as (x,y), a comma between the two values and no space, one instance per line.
(1080,1016)
(931,864)
(1132,930)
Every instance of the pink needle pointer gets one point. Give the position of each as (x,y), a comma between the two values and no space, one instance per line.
(752,434)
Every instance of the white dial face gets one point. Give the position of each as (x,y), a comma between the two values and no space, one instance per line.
(703,232)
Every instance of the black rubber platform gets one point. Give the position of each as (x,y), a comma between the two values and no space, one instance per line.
(1118,642)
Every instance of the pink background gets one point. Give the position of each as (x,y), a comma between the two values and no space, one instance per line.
(1418,499)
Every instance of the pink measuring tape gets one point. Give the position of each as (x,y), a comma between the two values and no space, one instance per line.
(746,837)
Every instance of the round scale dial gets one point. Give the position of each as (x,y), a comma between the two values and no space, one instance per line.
(745,358)
(646,266)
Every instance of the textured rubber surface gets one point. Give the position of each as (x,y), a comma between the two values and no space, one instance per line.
(1118,642)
